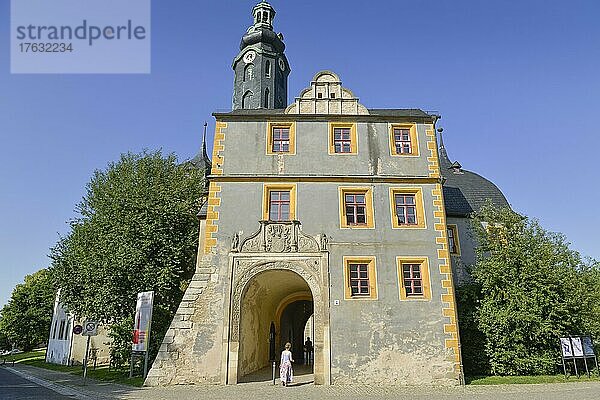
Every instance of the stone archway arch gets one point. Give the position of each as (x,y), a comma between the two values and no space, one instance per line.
(310,269)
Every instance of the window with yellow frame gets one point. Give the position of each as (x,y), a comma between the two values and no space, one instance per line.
(360,277)
(279,202)
(413,278)
(453,243)
(342,138)
(356,207)
(281,138)
(407,208)
(403,140)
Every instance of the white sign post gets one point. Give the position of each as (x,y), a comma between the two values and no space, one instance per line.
(90,328)
(141,328)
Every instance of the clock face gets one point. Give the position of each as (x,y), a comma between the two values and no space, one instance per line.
(249,56)
(281,64)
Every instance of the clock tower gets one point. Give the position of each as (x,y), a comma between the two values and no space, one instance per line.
(261,68)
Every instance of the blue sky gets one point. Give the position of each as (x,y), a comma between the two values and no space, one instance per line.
(516,83)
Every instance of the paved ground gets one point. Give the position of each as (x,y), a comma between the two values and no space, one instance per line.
(260,387)
(13,386)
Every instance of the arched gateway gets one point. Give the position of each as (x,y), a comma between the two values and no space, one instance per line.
(273,269)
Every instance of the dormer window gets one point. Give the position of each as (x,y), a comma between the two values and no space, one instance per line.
(456,168)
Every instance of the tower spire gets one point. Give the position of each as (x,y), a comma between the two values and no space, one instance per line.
(204,154)
(444,160)
(261,68)
(205,162)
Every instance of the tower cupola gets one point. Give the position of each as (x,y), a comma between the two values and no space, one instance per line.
(263,15)
(261,68)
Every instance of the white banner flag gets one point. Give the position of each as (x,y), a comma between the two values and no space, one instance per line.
(143,317)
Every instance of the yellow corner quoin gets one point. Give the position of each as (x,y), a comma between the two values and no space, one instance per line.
(218,147)
(268,188)
(269,141)
(372,271)
(420,209)
(414,140)
(447,296)
(368,192)
(424,263)
(433,160)
(353,138)
(212,217)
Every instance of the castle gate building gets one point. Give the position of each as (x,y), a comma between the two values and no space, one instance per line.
(321,209)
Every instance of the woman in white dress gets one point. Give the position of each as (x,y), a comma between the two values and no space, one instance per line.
(286,373)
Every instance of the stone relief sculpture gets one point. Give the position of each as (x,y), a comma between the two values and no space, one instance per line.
(235,242)
(279,237)
(324,242)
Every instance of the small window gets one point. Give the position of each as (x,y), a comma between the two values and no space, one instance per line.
(266,99)
(332,95)
(356,208)
(55,331)
(342,140)
(413,281)
(281,140)
(319,95)
(279,205)
(247,100)
(406,209)
(268,69)
(413,277)
(279,202)
(453,245)
(62,334)
(248,73)
(360,278)
(402,141)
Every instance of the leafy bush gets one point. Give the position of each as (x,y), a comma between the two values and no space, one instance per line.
(534,289)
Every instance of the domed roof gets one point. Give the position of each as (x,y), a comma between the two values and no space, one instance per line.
(261,32)
(466,191)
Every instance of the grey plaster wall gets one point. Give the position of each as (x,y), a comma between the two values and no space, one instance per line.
(386,340)
(462,263)
(246,144)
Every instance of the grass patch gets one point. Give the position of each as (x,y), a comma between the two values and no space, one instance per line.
(37,359)
(515,380)
(31,355)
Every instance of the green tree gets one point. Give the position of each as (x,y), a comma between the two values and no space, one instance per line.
(472,339)
(25,320)
(533,290)
(4,342)
(137,230)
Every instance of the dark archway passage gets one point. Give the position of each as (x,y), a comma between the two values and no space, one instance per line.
(293,322)
(274,310)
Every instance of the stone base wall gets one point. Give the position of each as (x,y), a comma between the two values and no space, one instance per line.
(191,349)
